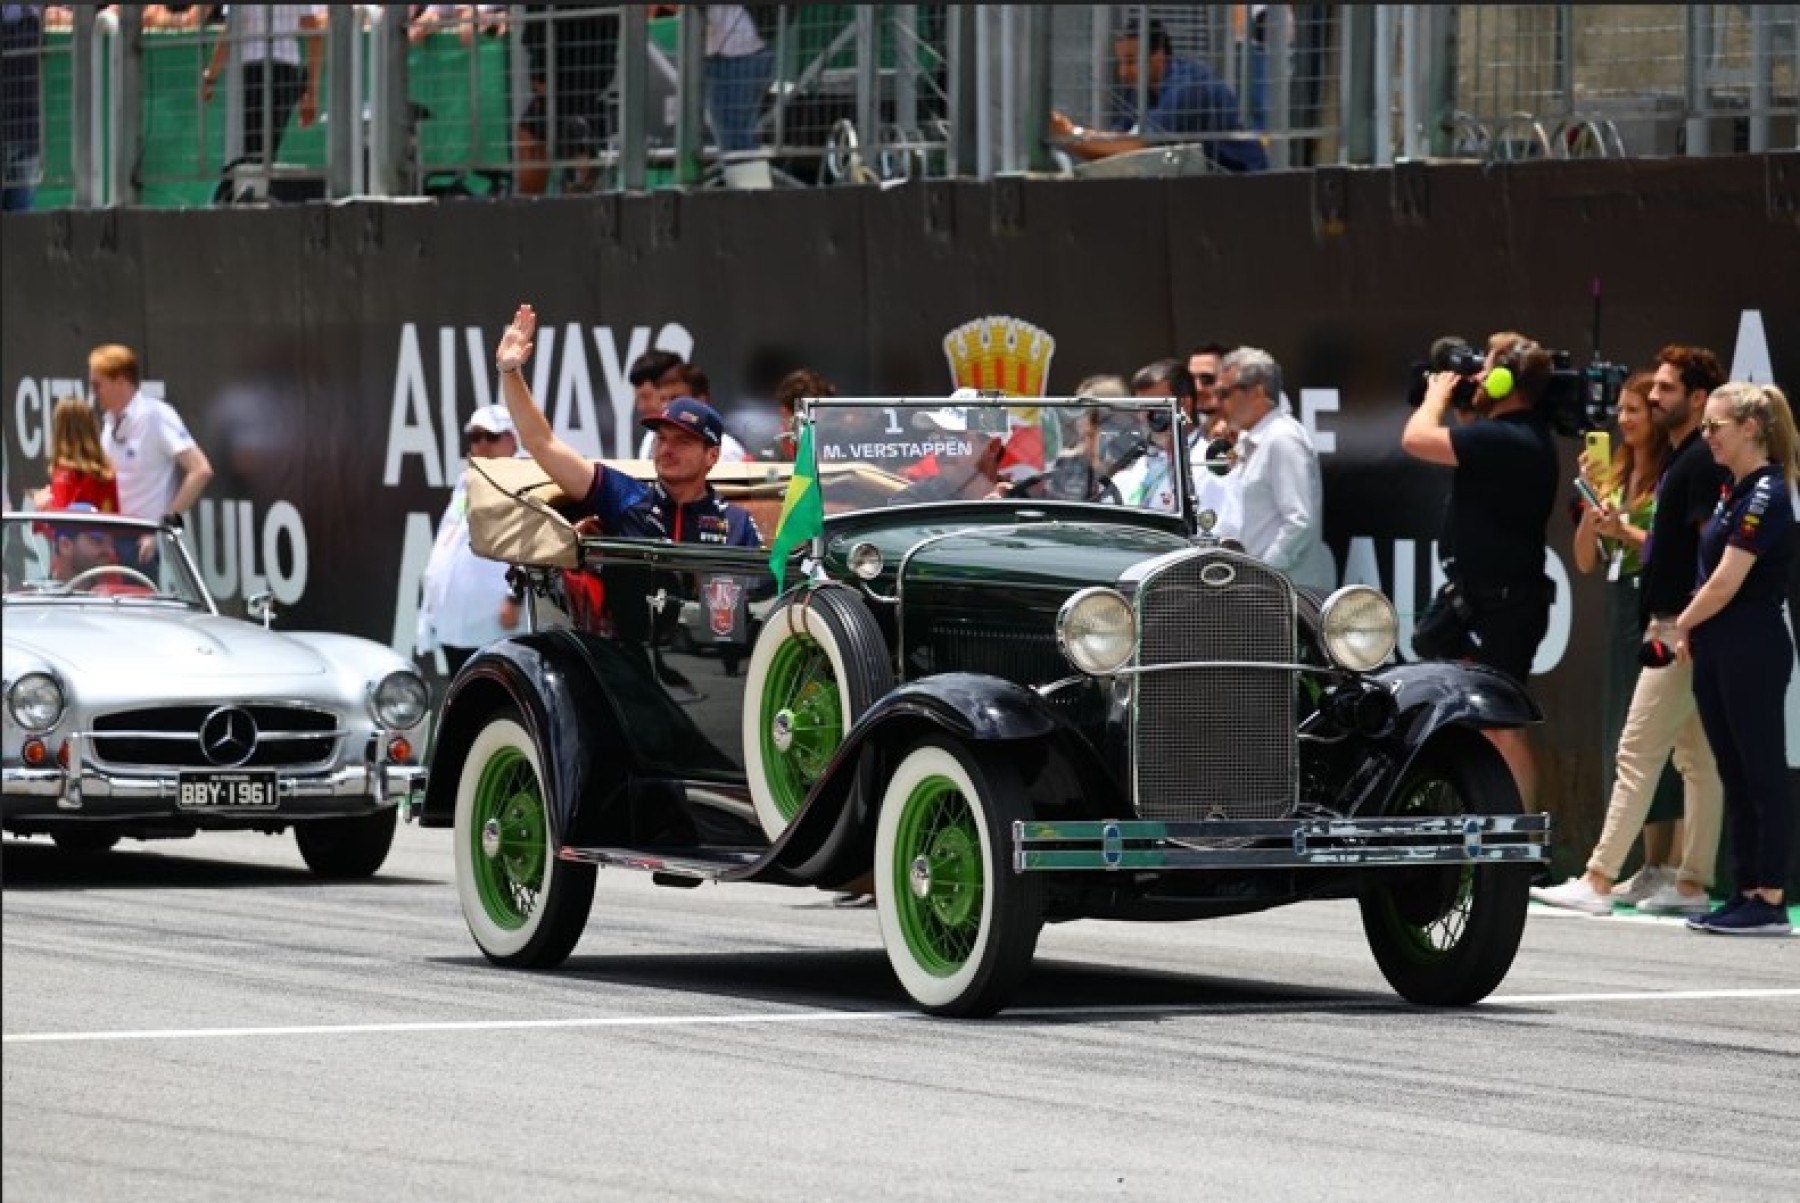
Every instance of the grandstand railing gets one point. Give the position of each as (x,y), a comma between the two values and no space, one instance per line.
(561,99)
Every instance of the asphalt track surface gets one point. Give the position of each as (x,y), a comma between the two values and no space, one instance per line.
(202,1021)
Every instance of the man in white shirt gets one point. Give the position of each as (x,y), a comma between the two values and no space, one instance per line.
(161,470)
(467,603)
(1277,473)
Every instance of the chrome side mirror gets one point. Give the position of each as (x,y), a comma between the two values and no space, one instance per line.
(261,607)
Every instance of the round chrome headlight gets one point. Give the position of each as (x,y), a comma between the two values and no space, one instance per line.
(1358,627)
(36,701)
(865,561)
(400,701)
(1097,630)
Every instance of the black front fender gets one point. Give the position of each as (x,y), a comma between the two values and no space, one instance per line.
(1447,704)
(1437,694)
(833,836)
(551,679)
(970,706)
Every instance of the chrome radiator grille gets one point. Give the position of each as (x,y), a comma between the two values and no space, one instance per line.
(170,737)
(1215,742)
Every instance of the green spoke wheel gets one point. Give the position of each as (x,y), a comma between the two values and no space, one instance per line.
(511,834)
(523,905)
(1445,935)
(938,849)
(818,663)
(959,924)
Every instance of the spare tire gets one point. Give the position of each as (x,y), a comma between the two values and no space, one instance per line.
(818,664)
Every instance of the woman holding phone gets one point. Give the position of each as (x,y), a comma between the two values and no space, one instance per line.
(1609,538)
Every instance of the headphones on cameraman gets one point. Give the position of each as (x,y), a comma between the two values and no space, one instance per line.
(1502,378)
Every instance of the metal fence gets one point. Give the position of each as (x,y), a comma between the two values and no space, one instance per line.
(1587,80)
(227,104)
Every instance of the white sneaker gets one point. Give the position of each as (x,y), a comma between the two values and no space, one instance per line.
(1574,894)
(1640,885)
(1670,901)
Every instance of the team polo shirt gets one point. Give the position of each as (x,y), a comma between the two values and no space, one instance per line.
(634,510)
(1686,495)
(1755,515)
(143,440)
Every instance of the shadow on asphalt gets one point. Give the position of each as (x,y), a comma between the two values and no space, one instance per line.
(34,865)
(1056,992)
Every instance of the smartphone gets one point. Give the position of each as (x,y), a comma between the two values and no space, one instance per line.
(1599,454)
(1587,492)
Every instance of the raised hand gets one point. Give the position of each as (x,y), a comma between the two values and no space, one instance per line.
(515,344)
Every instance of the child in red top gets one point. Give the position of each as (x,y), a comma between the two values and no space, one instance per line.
(79,469)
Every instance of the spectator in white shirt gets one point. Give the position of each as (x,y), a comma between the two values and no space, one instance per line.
(161,470)
(467,602)
(1277,472)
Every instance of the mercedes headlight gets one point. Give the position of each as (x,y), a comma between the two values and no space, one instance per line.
(36,701)
(400,701)
(1097,630)
(1358,627)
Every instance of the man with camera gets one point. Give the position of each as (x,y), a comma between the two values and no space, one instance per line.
(1501,497)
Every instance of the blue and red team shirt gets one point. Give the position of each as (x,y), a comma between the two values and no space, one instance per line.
(1757,515)
(633,510)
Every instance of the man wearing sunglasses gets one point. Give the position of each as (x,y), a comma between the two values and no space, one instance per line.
(1203,367)
(1276,476)
(466,602)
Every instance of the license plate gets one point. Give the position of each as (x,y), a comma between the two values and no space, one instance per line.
(227,791)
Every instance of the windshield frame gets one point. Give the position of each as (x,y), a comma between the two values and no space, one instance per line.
(810,410)
(22,543)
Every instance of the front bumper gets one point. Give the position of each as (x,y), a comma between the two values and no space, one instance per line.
(1281,843)
(92,793)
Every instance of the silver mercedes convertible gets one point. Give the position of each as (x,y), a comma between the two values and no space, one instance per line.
(134,708)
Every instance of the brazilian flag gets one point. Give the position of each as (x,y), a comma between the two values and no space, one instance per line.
(803,510)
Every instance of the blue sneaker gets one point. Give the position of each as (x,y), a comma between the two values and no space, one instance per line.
(1753,917)
(1702,922)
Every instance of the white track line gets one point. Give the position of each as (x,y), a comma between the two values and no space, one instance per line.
(649,1021)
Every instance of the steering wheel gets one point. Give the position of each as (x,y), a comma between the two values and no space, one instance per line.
(1106,492)
(98,570)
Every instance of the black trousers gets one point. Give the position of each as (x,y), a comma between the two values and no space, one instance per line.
(281,85)
(1741,671)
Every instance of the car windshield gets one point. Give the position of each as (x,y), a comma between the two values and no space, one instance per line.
(1110,452)
(55,556)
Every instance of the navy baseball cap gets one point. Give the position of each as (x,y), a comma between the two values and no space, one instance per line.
(695,417)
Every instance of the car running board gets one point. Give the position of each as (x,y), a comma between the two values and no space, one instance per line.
(1293,843)
(689,866)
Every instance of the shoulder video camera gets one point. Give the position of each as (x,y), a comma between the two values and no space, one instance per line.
(1448,354)
(1576,399)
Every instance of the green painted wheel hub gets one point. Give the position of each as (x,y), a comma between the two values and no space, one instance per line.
(939,878)
(510,833)
(803,699)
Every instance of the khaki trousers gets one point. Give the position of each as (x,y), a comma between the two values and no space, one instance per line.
(1663,717)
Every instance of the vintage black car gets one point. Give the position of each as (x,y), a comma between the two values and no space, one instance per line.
(994,692)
